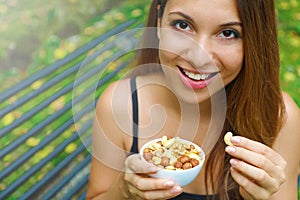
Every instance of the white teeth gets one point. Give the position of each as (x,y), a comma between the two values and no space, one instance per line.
(196,77)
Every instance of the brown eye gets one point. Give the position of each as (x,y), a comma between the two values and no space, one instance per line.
(181,25)
(229,34)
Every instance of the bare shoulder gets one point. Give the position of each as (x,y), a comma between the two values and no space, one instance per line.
(291,106)
(113,101)
(116,92)
(107,137)
(112,117)
(288,140)
(291,128)
(287,145)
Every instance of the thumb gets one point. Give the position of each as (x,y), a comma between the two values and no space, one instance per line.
(134,164)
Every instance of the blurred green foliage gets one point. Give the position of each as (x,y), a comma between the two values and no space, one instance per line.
(289,40)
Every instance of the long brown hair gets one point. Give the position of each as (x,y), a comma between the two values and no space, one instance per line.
(254,101)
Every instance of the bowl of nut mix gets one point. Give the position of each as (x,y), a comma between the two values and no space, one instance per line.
(178,159)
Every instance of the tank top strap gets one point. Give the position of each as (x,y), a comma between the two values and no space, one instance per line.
(135,115)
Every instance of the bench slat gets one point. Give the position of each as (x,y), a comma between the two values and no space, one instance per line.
(51,118)
(78,187)
(51,99)
(83,196)
(51,68)
(55,181)
(67,179)
(22,159)
(11,188)
(17,164)
(30,193)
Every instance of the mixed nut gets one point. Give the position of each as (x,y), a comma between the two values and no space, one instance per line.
(227,138)
(172,154)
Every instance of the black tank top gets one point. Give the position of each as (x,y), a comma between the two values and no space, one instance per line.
(134,148)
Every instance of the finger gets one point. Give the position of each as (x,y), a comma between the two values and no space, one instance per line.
(163,194)
(259,176)
(148,183)
(251,189)
(136,165)
(252,158)
(135,193)
(258,148)
(258,160)
(155,194)
(245,194)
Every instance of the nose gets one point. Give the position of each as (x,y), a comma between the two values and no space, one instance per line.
(199,53)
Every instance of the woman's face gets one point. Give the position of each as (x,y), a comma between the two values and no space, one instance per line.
(201,46)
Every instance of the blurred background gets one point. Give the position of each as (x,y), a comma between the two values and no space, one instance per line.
(36,33)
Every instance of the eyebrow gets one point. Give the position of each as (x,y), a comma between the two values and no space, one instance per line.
(237,23)
(182,15)
(232,24)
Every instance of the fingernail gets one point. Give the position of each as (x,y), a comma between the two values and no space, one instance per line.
(233,162)
(176,189)
(169,184)
(235,140)
(230,149)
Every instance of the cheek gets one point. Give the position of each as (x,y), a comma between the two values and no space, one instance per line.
(233,59)
(165,57)
(168,63)
(174,42)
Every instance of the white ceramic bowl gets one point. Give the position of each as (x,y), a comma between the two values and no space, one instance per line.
(180,177)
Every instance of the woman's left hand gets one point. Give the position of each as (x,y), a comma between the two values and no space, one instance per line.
(257,168)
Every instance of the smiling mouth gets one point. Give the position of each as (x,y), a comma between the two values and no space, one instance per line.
(197,76)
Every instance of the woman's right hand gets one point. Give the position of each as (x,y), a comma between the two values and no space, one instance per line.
(141,186)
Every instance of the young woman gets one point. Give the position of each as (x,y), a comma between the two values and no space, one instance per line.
(200,43)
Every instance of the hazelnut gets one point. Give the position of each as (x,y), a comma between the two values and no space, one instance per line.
(147,150)
(184,159)
(165,161)
(148,156)
(187,165)
(194,162)
(178,165)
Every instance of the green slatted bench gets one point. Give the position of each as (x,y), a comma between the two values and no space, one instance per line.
(51,158)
